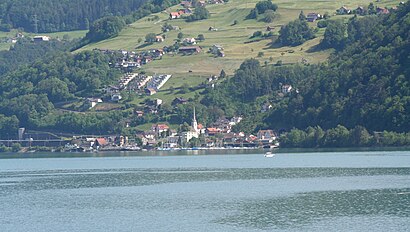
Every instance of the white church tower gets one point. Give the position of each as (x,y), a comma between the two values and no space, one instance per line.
(194,123)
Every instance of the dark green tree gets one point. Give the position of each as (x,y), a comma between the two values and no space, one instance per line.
(295,33)
(105,28)
(150,38)
(302,16)
(335,35)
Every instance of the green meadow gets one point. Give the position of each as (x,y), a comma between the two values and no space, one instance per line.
(232,37)
(194,69)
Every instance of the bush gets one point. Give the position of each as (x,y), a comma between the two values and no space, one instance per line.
(16,147)
(257,34)
(150,38)
(4,148)
(322,24)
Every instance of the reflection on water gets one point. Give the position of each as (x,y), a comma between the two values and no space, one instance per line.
(305,208)
(72,179)
(206,194)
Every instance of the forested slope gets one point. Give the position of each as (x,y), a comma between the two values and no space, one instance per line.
(61,15)
(367,83)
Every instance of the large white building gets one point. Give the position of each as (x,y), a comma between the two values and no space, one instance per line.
(192,133)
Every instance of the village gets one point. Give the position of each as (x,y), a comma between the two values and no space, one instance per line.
(216,135)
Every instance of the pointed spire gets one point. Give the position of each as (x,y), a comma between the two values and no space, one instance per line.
(194,123)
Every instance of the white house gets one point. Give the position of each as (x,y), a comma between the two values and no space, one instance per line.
(266,136)
(41,38)
(93,102)
(191,41)
(286,88)
(116,97)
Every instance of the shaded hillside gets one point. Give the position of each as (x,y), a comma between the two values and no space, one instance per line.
(61,15)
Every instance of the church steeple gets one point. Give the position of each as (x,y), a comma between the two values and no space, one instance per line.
(194,123)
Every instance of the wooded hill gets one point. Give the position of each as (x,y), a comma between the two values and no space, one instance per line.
(61,15)
(366,83)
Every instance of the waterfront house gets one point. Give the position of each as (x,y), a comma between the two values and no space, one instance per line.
(99,142)
(266,136)
(187,136)
(172,142)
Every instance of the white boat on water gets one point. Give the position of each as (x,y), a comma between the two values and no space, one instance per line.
(269,154)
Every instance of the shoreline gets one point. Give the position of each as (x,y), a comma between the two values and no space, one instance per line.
(189,152)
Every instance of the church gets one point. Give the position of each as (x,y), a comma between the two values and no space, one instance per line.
(194,131)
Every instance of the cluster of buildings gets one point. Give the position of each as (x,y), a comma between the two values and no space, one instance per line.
(363,11)
(131,60)
(218,135)
(35,39)
(188,5)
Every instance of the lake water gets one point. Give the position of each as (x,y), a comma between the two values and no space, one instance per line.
(235,191)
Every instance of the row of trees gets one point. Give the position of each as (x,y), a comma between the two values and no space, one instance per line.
(340,136)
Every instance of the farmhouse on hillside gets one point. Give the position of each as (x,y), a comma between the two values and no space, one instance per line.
(190,50)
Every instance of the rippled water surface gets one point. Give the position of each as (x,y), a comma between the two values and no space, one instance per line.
(351,191)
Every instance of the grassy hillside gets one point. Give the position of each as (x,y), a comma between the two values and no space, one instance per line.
(234,38)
